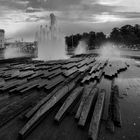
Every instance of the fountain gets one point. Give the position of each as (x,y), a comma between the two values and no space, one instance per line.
(51,42)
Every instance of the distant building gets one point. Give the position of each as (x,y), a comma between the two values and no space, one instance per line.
(2,38)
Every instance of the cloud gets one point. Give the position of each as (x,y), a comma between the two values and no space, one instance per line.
(73,15)
(105,17)
(14,4)
(109,2)
(53,4)
(32,10)
(122,5)
(129,15)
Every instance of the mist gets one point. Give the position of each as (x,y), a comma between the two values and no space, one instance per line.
(81,48)
(12,52)
(52,50)
(110,51)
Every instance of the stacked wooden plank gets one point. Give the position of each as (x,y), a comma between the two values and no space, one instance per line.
(70,71)
(25,87)
(12,84)
(34,109)
(47,106)
(54,82)
(95,73)
(112,70)
(60,83)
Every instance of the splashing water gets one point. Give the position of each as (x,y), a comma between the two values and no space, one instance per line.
(51,43)
(81,48)
(110,51)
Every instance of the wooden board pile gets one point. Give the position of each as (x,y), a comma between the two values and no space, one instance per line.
(72,80)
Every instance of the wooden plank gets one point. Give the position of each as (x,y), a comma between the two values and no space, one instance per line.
(90,61)
(54,62)
(93,75)
(21,87)
(116,107)
(37,74)
(99,67)
(106,85)
(86,78)
(86,92)
(2,82)
(100,75)
(40,64)
(25,74)
(59,72)
(95,65)
(42,68)
(87,106)
(45,99)
(55,68)
(40,103)
(96,117)
(82,69)
(8,73)
(13,84)
(68,66)
(43,83)
(68,102)
(29,87)
(54,82)
(14,75)
(29,67)
(15,108)
(110,124)
(70,71)
(50,74)
(81,64)
(47,106)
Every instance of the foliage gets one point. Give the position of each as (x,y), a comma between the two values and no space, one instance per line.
(127,35)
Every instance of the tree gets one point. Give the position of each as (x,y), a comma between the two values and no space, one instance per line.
(92,37)
(100,38)
(116,36)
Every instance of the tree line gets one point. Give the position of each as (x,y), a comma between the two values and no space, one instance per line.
(92,39)
(127,35)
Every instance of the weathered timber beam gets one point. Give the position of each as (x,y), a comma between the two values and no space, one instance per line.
(54,82)
(68,102)
(45,99)
(87,106)
(96,118)
(86,92)
(110,123)
(106,84)
(14,84)
(47,106)
(116,107)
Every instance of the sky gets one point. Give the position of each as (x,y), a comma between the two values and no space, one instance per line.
(22,18)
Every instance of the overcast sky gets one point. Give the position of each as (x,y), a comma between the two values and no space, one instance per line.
(21,18)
